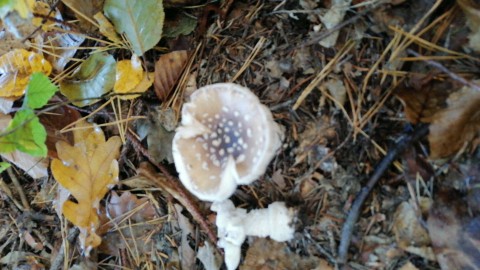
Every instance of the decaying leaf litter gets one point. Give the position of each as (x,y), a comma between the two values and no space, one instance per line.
(350,83)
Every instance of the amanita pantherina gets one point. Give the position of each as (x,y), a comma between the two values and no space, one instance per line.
(227,137)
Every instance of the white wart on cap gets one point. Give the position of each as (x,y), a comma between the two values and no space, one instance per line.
(226,138)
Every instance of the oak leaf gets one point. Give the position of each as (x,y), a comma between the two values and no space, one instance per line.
(15,69)
(88,169)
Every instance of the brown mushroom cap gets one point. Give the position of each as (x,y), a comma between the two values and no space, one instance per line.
(227,137)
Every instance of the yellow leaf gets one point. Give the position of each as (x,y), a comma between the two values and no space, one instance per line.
(130,78)
(42,8)
(16,67)
(106,28)
(24,7)
(88,169)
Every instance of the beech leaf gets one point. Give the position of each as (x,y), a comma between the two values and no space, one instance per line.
(15,70)
(168,69)
(88,169)
(140,21)
(130,78)
(39,91)
(94,78)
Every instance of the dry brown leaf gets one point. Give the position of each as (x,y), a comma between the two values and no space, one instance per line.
(424,98)
(407,227)
(88,169)
(454,232)
(85,10)
(127,204)
(125,222)
(167,72)
(472,12)
(53,122)
(455,125)
(453,114)
(312,142)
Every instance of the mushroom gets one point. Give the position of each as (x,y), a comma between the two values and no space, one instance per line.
(226,138)
(235,224)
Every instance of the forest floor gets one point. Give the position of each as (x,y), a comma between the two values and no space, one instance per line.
(354,84)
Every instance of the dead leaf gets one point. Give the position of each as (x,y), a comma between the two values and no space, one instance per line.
(187,254)
(159,130)
(312,143)
(472,13)
(453,114)
(332,18)
(15,69)
(408,228)
(42,9)
(88,169)
(167,72)
(209,257)
(85,10)
(455,125)
(424,97)
(337,89)
(130,78)
(454,232)
(54,121)
(138,210)
(106,28)
(61,46)
(125,224)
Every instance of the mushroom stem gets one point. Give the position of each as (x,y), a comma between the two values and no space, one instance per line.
(235,224)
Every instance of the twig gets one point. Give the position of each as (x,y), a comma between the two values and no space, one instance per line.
(398,148)
(173,188)
(442,68)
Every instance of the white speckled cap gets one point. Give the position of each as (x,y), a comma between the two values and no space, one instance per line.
(226,138)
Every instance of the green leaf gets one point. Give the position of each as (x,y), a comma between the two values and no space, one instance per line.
(94,78)
(179,24)
(25,133)
(39,91)
(140,21)
(4,166)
